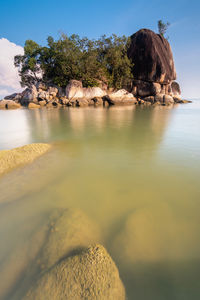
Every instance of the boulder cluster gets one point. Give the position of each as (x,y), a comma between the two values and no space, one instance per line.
(154,81)
(74,95)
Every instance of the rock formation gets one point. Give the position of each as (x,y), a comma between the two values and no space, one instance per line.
(9,104)
(75,90)
(91,274)
(152,57)
(120,97)
(154,71)
(154,74)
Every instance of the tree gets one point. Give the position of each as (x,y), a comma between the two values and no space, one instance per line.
(112,55)
(72,57)
(162,27)
(29,64)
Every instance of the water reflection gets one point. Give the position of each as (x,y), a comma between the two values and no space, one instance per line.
(14,129)
(142,129)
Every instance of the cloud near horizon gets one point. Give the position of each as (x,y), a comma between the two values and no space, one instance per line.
(9,78)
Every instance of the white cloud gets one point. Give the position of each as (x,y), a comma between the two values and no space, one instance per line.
(9,78)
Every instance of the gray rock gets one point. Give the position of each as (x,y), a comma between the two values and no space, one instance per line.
(75,90)
(14,97)
(29,95)
(121,97)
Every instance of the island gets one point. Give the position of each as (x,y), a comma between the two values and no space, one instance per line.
(139,70)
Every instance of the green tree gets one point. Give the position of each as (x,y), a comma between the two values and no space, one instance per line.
(29,64)
(112,55)
(162,27)
(72,57)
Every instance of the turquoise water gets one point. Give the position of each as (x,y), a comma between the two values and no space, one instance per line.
(134,171)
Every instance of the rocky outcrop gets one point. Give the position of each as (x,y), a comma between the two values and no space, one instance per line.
(90,275)
(152,57)
(154,71)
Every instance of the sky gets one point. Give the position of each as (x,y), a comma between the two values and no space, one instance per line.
(21,20)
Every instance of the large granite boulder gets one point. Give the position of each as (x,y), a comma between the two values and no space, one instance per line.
(75,90)
(120,97)
(29,95)
(90,274)
(152,57)
(14,97)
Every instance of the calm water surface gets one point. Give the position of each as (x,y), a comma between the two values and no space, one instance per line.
(134,171)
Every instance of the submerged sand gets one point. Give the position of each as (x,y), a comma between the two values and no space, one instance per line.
(10,159)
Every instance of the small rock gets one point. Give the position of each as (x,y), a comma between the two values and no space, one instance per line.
(150,99)
(42,103)
(97,101)
(159,98)
(9,104)
(167,100)
(33,105)
(81,102)
(64,100)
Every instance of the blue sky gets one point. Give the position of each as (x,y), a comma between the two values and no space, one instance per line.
(21,20)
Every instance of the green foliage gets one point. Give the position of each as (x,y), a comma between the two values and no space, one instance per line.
(28,64)
(90,61)
(162,27)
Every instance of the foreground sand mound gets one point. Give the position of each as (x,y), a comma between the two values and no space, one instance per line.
(89,275)
(68,232)
(10,159)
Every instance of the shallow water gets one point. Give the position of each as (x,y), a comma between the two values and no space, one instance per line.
(134,171)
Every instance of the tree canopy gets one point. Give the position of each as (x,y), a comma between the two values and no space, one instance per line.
(72,57)
(162,27)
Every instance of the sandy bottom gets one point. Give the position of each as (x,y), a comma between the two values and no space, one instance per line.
(10,159)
